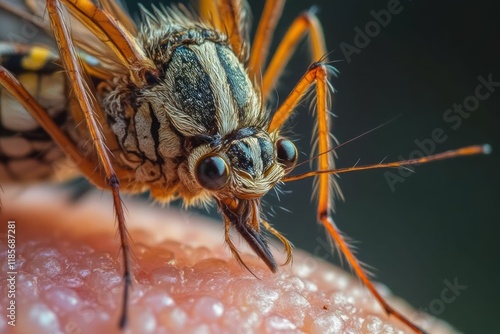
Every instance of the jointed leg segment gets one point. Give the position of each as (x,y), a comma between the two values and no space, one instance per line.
(307,22)
(318,74)
(88,105)
(229,17)
(265,29)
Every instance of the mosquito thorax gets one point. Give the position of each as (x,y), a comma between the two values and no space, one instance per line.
(200,128)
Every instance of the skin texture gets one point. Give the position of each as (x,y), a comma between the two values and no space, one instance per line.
(69,278)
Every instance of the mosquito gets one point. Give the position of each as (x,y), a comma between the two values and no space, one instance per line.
(177,105)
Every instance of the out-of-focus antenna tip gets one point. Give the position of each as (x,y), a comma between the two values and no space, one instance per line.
(487,149)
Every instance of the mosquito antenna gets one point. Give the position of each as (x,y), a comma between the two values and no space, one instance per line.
(350,140)
(469,150)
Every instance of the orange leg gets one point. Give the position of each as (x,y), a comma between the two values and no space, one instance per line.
(88,105)
(306,22)
(90,69)
(318,74)
(117,11)
(262,40)
(114,35)
(230,17)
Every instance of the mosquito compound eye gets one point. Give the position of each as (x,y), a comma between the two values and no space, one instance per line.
(151,78)
(212,172)
(287,153)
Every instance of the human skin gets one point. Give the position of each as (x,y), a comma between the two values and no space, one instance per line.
(185,281)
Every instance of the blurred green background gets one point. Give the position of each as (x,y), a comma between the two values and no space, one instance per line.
(441,223)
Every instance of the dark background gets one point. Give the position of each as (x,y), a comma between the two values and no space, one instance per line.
(442,223)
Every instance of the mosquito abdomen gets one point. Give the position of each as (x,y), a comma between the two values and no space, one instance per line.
(27,152)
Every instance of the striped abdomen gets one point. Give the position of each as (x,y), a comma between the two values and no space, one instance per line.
(26,151)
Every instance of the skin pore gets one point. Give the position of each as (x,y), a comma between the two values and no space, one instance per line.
(69,276)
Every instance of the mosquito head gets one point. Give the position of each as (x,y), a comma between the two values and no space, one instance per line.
(244,164)
(237,170)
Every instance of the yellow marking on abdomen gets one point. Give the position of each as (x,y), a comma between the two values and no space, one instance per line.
(36,59)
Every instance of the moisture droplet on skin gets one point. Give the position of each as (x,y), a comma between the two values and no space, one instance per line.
(201,287)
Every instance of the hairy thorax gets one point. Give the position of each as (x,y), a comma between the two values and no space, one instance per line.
(201,100)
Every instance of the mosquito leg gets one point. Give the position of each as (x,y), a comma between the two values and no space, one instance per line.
(88,105)
(335,234)
(318,75)
(114,35)
(306,22)
(263,36)
(117,10)
(230,17)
